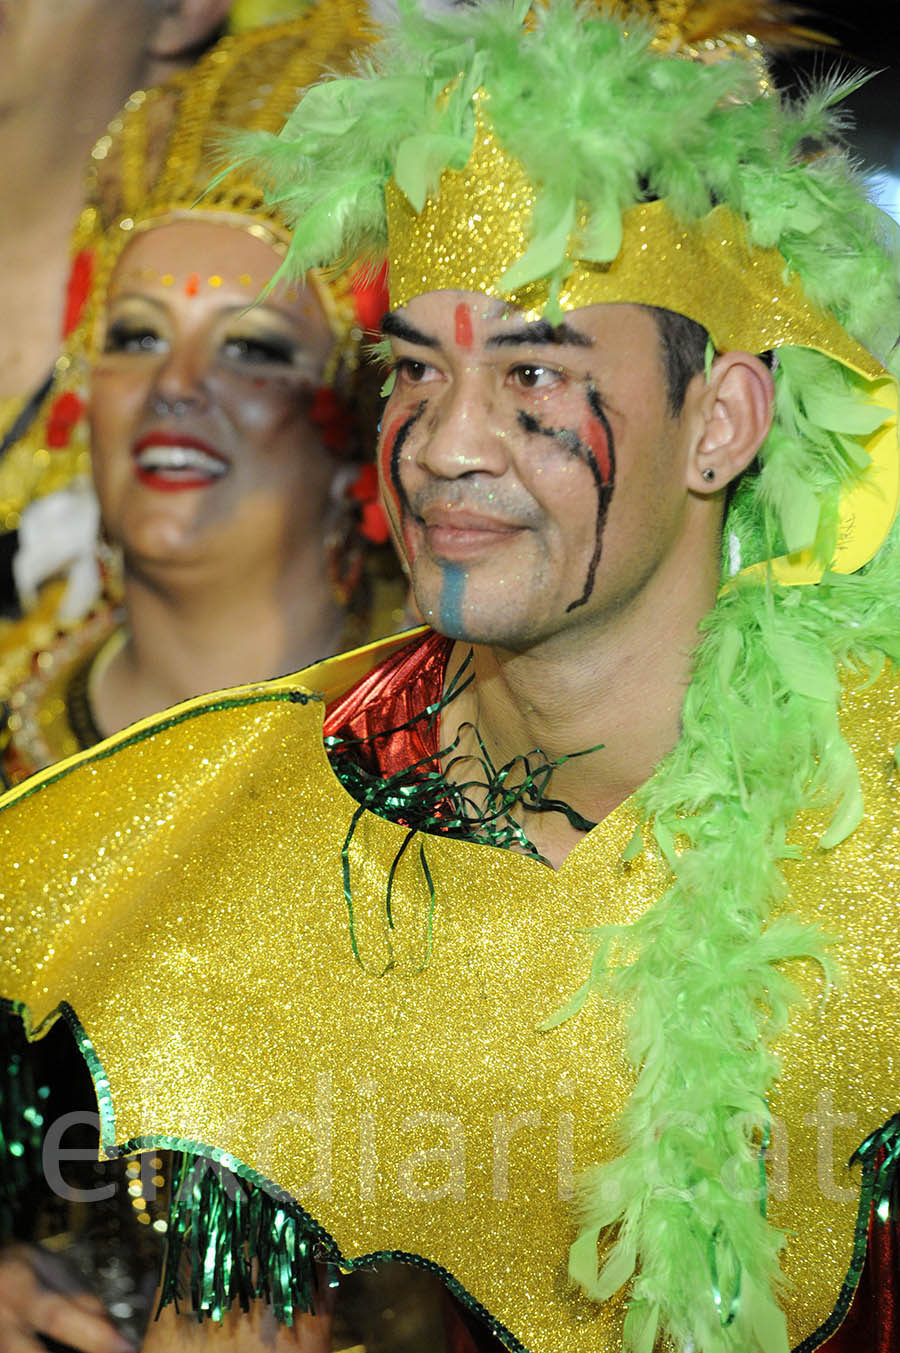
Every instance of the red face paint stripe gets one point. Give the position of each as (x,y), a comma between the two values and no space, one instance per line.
(593,434)
(464,337)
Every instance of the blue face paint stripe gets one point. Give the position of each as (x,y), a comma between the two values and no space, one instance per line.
(451,602)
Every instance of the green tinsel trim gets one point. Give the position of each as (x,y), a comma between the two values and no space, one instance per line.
(235,1243)
(881,1150)
(879,1197)
(425,798)
(22,1103)
(232,1234)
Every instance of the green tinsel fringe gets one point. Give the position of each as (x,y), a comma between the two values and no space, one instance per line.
(229,1241)
(21,1128)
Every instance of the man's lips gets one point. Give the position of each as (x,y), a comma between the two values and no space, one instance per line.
(170,461)
(461,534)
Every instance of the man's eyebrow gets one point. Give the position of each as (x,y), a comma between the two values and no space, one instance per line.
(541,331)
(392,326)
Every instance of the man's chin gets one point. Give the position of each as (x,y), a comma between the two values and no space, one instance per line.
(475,627)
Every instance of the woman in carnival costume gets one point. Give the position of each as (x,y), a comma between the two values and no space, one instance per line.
(224,438)
(221,434)
(64,72)
(598,223)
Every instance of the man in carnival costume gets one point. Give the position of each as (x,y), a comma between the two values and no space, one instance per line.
(640,448)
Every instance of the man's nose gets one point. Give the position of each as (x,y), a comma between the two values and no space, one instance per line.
(459,433)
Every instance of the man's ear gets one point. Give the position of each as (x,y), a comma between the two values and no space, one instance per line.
(733,408)
(184,30)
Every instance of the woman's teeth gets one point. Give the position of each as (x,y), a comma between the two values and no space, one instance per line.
(168,459)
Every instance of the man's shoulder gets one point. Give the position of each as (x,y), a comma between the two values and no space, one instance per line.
(241,716)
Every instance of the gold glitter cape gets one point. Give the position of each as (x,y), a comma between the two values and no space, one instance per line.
(179,888)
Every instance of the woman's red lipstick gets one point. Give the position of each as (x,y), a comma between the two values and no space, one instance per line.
(172,461)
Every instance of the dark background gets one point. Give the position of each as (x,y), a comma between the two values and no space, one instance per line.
(868,35)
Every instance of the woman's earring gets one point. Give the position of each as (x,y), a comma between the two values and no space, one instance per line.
(708,474)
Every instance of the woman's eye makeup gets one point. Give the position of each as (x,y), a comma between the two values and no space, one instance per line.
(259,349)
(127,335)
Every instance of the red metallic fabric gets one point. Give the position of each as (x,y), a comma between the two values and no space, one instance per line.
(394,692)
(872,1325)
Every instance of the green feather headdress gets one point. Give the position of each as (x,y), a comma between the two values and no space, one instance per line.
(604,119)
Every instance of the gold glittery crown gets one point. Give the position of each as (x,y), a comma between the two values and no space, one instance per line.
(754,304)
(155,162)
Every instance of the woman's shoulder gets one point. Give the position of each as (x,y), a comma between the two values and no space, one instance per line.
(40,655)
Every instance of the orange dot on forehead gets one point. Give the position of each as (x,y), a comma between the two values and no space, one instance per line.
(192,283)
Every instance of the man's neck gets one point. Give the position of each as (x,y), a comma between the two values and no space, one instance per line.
(619,687)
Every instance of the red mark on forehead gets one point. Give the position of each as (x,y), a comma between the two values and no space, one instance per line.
(191,285)
(593,434)
(464,327)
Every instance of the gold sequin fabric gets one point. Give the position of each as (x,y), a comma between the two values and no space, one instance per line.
(180,887)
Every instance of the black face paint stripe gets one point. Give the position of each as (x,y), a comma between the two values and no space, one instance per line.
(573,443)
(397,450)
(604,492)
